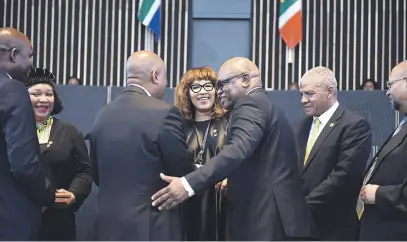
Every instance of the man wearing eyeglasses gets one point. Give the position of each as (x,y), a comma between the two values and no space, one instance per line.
(383,197)
(23,186)
(265,200)
(333,145)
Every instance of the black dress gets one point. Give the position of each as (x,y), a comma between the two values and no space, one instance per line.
(204,214)
(65,158)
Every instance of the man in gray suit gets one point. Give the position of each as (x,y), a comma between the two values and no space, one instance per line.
(133,139)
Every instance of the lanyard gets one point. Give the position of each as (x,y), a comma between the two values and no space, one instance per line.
(201,143)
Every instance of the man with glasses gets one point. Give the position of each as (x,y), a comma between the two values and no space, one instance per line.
(265,200)
(23,186)
(383,197)
(333,145)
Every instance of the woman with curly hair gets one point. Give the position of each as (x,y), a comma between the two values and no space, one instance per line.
(205,127)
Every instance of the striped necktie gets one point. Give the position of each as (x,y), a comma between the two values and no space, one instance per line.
(360,206)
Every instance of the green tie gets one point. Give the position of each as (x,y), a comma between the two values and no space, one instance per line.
(311,142)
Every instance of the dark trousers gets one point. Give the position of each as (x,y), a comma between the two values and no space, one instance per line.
(58,225)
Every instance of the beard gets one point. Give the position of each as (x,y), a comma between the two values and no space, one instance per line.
(395,105)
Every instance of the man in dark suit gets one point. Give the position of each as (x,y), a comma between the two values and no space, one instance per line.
(23,185)
(133,139)
(333,146)
(383,198)
(265,201)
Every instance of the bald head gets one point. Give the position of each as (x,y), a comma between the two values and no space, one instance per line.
(147,69)
(237,77)
(399,71)
(15,53)
(238,65)
(10,37)
(141,63)
(397,87)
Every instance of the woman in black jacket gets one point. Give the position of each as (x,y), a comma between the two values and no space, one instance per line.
(64,157)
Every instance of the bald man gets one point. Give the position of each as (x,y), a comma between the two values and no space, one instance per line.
(383,196)
(333,146)
(134,138)
(23,187)
(265,200)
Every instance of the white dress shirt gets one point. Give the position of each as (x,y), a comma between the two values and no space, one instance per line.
(137,85)
(323,119)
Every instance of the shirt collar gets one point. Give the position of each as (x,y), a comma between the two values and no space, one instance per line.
(254,88)
(325,117)
(403,121)
(9,75)
(137,85)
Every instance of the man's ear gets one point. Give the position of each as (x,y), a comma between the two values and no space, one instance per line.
(13,54)
(245,81)
(154,76)
(330,92)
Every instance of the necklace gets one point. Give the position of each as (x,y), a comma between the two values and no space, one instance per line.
(44,130)
(201,144)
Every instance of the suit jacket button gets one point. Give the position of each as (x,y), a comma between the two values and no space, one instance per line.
(302,181)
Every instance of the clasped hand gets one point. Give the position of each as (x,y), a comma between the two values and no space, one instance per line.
(63,199)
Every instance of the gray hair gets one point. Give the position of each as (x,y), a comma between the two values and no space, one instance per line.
(328,77)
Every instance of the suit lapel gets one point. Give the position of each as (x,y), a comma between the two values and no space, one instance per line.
(331,125)
(302,141)
(377,154)
(389,146)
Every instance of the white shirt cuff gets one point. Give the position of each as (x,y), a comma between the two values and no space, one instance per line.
(187,187)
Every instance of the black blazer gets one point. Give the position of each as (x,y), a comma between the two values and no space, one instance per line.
(133,139)
(23,184)
(66,157)
(259,160)
(332,176)
(387,218)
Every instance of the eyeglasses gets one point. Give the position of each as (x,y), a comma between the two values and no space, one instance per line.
(221,83)
(197,88)
(6,48)
(391,82)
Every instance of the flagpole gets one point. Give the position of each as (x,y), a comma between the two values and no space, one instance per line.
(290,55)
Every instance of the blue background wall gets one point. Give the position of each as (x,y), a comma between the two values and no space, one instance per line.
(219,25)
(81,104)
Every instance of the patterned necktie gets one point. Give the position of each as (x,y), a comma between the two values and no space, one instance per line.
(360,206)
(311,142)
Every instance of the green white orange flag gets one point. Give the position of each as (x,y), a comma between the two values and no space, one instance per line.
(290,22)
